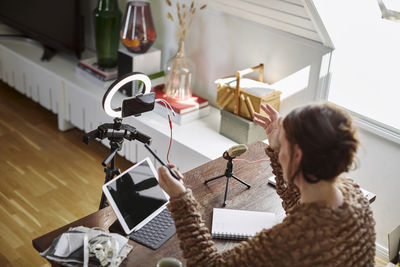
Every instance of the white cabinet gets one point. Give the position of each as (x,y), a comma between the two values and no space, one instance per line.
(75,101)
(78,102)
(8,68)
(49,88)
(30,79)
(17,72)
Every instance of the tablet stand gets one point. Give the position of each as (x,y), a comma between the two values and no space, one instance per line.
(115,132)
(228,174)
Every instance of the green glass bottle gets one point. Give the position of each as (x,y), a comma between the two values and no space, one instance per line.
(107,21)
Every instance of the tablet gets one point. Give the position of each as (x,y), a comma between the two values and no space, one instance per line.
(135,195)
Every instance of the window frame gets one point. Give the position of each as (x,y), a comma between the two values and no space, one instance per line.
(363,122)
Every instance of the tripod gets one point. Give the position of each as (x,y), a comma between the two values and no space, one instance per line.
(118,133)
(228,174)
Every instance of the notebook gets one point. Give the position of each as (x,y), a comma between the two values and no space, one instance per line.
(240,224)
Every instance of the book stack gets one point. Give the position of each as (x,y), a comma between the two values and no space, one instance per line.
(90,70)
(186,111)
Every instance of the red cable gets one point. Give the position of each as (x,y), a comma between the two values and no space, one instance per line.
(170,139)
(251,162)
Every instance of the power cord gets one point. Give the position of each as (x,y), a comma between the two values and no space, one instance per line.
(170,112)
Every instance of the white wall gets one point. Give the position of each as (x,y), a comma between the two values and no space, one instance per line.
(379,172)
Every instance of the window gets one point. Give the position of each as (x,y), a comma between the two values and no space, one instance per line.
(365,65)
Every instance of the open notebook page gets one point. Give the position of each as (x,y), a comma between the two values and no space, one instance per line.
(240,224)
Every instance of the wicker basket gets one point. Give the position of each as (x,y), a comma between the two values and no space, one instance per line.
(245,101)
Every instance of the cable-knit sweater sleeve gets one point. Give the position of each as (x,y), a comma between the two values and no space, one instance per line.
(266,249)
(289,193)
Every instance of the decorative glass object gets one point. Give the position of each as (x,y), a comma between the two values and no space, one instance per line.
(178,71)
(137,32)
(107,22)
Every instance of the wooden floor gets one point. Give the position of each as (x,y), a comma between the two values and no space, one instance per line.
(48,178)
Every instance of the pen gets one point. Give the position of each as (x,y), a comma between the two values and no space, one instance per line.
(162,162)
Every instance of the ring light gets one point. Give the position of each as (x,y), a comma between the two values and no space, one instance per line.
(115,86)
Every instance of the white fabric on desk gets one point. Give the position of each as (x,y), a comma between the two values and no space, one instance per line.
(110,249)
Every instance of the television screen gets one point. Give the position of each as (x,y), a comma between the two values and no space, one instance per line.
(57,24)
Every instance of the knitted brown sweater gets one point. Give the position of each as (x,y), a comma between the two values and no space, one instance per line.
(312,234)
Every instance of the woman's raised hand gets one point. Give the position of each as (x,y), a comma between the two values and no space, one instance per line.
(270,124)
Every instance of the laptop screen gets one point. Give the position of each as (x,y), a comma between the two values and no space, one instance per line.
(137,193)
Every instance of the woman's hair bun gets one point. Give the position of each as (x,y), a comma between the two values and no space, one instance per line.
(327,137)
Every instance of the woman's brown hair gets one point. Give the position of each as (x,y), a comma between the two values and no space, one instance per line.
(326,137)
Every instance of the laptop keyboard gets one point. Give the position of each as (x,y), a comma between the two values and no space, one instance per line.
(156,232)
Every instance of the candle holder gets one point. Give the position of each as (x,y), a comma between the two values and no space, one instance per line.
(137,32)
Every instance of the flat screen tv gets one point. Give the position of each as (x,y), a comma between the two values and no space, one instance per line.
(57,24)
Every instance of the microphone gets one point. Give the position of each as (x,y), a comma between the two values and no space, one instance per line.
(237,150)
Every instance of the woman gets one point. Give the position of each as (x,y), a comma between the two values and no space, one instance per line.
(328,222)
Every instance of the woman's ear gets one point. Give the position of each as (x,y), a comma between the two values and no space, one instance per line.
(297,154)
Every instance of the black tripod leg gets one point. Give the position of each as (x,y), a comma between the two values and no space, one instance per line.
(102,201)
(211,179)
(246,184)
(111,172)
(226,191)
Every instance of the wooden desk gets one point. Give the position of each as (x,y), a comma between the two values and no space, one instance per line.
(260,197)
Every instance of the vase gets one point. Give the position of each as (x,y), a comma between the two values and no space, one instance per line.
(137,32)
(107,22)
(178,72)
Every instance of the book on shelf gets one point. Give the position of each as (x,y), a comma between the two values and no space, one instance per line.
(186,111)
(181,106)
(240,224)
(90,66)
(84,75)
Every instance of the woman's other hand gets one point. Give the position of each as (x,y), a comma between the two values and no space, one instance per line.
(167,182)
(270,124)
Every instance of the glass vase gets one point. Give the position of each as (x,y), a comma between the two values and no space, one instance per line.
(107,22)
(137,32)
(178,70)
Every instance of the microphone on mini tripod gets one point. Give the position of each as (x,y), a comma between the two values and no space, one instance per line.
(236,150)
(229,155)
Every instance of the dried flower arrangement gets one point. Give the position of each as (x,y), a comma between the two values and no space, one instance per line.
(178,69)
(184,16)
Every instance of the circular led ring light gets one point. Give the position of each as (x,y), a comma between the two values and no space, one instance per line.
(115,86)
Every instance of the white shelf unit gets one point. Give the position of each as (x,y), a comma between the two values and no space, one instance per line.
(77,103)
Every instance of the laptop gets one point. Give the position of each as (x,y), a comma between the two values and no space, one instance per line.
(140,204)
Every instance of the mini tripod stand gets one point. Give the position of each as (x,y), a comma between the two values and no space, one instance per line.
(118,133)
(228,174)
